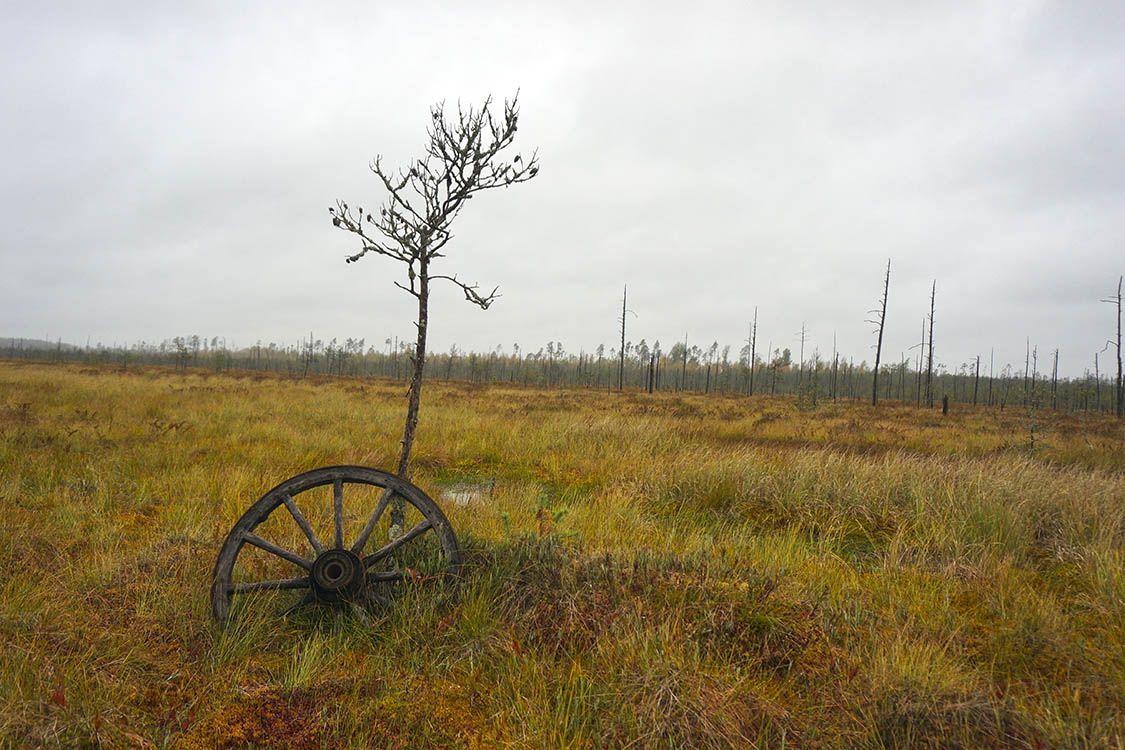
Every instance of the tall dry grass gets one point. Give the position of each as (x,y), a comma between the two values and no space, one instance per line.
(644,571)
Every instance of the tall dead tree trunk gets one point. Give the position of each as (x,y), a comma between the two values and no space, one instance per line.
(683,371)
(621,367)
(1120,383)
(753,349)
(881,322)
(930,357)
(1118,393)
(976,381)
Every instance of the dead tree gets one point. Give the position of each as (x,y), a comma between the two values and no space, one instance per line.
(1117,391)
(976,381)
(881,320)
(930,357)
(683,372)
(753,348)
(1055,382)
(624,313)
(771,367)
(413,226)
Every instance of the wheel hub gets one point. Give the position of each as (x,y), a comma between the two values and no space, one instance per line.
(338,574)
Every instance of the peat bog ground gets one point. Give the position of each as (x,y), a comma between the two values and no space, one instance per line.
(669,570)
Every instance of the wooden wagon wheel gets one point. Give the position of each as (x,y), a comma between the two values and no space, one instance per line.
(275,539)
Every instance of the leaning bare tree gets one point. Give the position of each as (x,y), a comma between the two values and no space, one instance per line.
(462,158)
(881,321)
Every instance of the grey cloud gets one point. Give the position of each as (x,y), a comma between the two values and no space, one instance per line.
(168,169)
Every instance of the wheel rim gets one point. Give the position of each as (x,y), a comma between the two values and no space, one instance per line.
(274,546)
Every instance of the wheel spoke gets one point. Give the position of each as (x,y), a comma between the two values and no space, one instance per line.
(304,524)
(390,547)
(374,519)
(304,601)
(280,585)
(338,511)
(377,600)
(273,549)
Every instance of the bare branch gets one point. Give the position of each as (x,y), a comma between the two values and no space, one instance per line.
(405,288)
(471,294)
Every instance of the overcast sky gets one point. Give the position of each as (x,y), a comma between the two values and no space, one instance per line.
(167,169)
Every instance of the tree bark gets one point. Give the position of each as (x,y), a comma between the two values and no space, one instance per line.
(753,349)
(621,369)
(415,397)
(1120,390)
(976,381)
(930,358)
(879,346)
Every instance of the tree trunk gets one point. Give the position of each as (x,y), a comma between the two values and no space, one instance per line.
(683,371)
(976,381)
(753,348)
(1120,391)
(621,369)
(415,396)
(879,346)
(930,358)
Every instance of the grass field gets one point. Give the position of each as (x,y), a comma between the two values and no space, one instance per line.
(641,571)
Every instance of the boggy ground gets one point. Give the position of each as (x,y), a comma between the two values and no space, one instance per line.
(644,571)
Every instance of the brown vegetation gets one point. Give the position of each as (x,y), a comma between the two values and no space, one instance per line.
(663,570)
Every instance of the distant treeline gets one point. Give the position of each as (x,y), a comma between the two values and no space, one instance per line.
(644,367)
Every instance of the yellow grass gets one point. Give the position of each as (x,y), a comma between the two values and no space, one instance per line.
(711,571)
